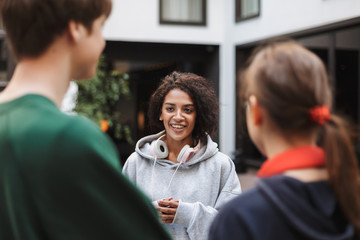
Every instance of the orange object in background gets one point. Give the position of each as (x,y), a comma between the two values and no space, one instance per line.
(104,125)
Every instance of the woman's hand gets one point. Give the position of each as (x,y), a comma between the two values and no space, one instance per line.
(167,209)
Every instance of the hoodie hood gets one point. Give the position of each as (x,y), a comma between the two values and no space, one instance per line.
(206,151)
(311,208)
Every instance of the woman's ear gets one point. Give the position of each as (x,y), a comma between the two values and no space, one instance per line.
(76,31)
(255,110)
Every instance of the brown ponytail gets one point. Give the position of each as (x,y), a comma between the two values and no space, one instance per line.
(342,167)
(295,79)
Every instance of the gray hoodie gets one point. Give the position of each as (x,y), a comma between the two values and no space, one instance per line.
(202,184)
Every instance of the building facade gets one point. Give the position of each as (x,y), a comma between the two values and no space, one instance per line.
(150,38)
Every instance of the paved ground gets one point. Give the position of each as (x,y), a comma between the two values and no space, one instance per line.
(247,180)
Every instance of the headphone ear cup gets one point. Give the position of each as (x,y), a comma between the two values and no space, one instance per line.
(184,154)
(160,149)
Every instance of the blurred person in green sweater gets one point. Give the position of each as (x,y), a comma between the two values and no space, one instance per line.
(60,175)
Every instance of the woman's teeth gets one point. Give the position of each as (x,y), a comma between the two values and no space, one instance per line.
(177,126)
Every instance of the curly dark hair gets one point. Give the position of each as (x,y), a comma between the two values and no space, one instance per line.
(203,96)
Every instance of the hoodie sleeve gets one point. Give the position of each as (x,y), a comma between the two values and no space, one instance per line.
(129,168)
(197,217)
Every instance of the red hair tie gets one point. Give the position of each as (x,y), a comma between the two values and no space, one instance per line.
(320,114)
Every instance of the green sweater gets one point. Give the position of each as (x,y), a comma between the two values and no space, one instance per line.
(60,178)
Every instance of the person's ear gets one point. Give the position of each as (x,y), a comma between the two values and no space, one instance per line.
(76,31)
(255,110)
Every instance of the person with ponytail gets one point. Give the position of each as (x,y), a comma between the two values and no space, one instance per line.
(309,186)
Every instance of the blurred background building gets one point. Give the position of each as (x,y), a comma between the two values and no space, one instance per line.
(150,38)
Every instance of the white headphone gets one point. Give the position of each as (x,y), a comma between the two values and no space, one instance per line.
(161,151)
(159,148)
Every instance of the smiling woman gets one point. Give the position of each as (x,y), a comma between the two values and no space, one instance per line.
(178,115)
(183,114)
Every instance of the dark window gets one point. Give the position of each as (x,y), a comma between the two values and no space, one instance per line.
(183,12)
(246,9)
(6,63)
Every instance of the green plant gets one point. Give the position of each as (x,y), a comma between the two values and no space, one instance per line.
(98,98)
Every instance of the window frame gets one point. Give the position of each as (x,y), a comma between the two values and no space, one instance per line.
(203,21)
(239,18)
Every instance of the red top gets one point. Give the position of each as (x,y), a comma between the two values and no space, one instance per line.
(295,158)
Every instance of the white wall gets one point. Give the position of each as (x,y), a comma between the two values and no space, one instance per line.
(278,17)
(227,126)
(138,21)
(286,16)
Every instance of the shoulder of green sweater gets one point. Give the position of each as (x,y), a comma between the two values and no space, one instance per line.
(80,152)
(78,126)
(76,141)
(82,134)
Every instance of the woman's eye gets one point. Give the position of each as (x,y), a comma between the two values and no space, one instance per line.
(188,110)
(169,109)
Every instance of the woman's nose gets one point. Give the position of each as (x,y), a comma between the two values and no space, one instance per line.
(178,115)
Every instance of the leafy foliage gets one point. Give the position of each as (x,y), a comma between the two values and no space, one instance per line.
(98,98)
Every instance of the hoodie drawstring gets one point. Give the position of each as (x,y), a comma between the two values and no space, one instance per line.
(152,180)
(167,190)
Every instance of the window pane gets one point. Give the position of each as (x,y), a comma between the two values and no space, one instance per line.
(246,9)
(249,8)
(190,11)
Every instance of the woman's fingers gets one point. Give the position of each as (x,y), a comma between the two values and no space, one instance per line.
(166,203)
(167,218)
(167,210)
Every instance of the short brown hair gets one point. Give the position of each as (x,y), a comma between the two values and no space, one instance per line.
(32,25)
(201,93)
